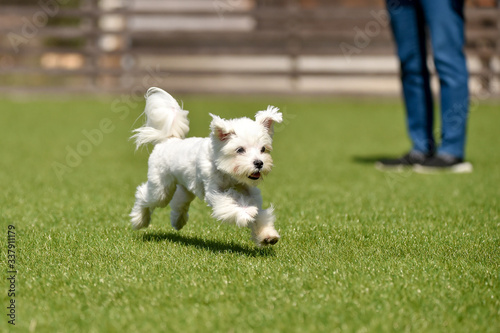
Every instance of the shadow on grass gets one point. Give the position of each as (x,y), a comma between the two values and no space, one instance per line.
(206,244)
(370,159)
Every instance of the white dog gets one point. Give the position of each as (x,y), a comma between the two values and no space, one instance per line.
(223,169)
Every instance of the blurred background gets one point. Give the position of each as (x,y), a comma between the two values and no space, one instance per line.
(219,46)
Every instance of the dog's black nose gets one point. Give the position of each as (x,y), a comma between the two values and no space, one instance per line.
(258,164)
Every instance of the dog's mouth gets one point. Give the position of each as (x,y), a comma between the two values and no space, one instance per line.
(254,176)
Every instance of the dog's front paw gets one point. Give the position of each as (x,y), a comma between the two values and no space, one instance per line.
(271,240)
(266,236)
(246,215)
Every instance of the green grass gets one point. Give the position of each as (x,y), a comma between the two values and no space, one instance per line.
(361,250)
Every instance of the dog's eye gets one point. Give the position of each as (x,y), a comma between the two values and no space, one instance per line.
(240,150)
(263,150)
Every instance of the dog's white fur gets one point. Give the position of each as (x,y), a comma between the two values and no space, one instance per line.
(223,169)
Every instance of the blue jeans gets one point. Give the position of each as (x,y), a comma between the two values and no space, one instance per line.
(412,21)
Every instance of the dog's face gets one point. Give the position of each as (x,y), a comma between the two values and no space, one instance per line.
(242,146)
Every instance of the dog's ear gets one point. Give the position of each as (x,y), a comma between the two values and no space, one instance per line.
(220,128)
(268,117)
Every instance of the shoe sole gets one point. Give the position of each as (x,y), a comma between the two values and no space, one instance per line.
(465,167)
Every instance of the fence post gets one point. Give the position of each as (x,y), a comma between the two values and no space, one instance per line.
(127,60)
(293,41)
(92,44)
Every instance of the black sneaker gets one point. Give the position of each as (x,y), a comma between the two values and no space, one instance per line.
(444,163)
(402,163)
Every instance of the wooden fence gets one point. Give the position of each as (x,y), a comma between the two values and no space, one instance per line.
(49,48)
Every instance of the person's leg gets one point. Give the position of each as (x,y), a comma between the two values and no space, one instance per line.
(409,31)
(446,24)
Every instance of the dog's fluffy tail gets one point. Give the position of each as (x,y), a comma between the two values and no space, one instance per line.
(164,119)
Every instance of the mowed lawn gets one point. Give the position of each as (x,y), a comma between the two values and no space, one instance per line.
(361,250)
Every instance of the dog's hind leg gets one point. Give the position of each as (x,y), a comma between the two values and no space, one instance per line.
(149,196)
(140,214)
(180,206)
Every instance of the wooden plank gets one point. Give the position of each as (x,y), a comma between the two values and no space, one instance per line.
(199,72)
(333,50)
(268,12)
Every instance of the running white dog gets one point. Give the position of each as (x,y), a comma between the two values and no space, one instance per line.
(223,169)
